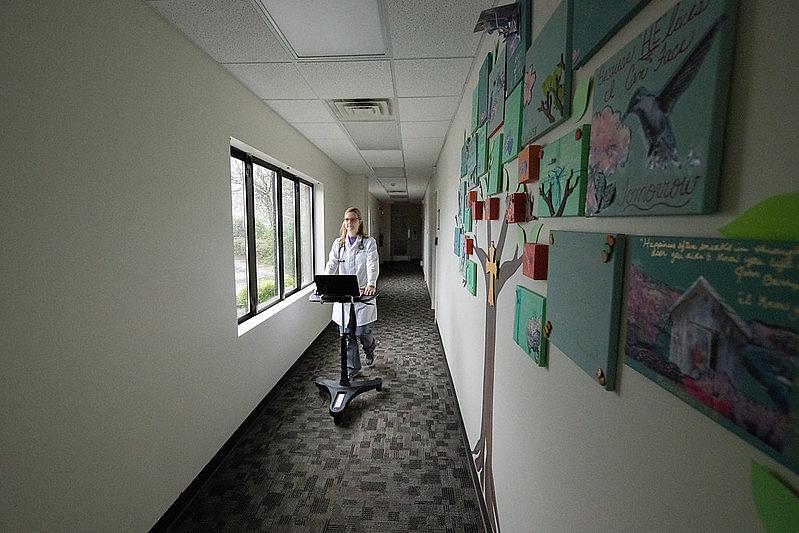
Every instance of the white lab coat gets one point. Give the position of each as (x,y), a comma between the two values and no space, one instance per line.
(351,259)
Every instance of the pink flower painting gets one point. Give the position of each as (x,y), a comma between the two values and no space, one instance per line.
(610,141)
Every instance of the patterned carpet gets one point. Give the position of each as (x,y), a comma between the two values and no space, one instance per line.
(395,462)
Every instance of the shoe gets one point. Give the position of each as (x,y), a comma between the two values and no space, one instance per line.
(370,359)
(353,373)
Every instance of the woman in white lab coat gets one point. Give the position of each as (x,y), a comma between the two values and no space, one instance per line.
(356,253)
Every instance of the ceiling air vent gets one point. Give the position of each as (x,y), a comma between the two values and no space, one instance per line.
(363,109)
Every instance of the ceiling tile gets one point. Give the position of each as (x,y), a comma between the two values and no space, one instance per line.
(389,172)
(431,77)
(394,184)
(349,79)
(421,152)
(326,29)
(377,190)
(383,158)
(344,154)
(425,130)
(374,135)
(419,29)
(228,30)
(272,80)
(302,110)
(321,131)
(428,108)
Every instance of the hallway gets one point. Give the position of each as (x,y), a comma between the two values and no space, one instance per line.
(396,462)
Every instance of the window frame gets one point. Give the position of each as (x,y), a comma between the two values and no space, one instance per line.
(249,210)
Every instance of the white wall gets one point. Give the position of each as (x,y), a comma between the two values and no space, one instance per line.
(569,456)
(122,370)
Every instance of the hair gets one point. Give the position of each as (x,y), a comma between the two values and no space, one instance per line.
(343,236)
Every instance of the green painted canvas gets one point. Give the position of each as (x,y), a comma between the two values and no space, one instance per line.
(563,175)
(659,114)
(496,93)
(593,23)
(456,242)
(471,162)
(512,132)
(517,46)
(482,90)
(481,152)
(471,277)
(467,220)
(716,323)
(584,300)
(495,182)
(528,324)
(465,158)
(548,76)
(475,106)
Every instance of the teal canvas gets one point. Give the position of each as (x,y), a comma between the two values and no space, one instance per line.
(475,100)
(584,292)
(548,75)
(659,114)
(471,155)
(716,323)
(482,90)
(563,175)
(496,93)
(471,277)
(481,152)
(517,46)
(512,131)
(494,180)
(465,158)
(593,23)
(528,324)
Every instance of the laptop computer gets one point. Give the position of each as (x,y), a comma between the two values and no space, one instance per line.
(335,285)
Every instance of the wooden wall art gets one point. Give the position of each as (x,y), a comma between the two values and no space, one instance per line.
(548,76)
(492,208)
(517,46)
(496,93)
(535,260)
(512,131)
(563,175)
(477,210)
(660,109)
(584,300)
(517,208)
(716,323)
(529,163)
(593,23)
(528,324)
(482,90)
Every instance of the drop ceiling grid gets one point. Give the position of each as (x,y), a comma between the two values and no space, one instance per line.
(272,80)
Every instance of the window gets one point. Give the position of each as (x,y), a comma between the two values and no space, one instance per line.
(272,233)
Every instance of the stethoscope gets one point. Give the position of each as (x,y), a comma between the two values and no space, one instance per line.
(360,246)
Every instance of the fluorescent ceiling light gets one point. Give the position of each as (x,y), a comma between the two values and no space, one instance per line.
(329,29)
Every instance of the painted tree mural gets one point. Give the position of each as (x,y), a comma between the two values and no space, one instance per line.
(496,275)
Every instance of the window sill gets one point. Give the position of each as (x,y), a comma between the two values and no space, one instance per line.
(262,317)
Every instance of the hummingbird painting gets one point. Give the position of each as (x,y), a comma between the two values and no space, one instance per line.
(653,110)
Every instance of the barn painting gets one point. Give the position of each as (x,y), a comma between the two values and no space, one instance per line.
(716,323)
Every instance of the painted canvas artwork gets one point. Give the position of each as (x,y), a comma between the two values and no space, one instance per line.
(512,131)
(481,153)
(471,277)
(716,323)
(517,46)
(471,155)
(495,181)
(563,175)
(584,293)
(528,324)
(548,76)
(496,93)
(659,114)
(456,242)
(465,158)
(593,23)
(475,106)
(482,90)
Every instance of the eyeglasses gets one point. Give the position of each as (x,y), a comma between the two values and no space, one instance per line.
(351,219)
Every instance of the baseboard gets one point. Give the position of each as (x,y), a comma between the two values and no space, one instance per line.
(176,509)
(472,470)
